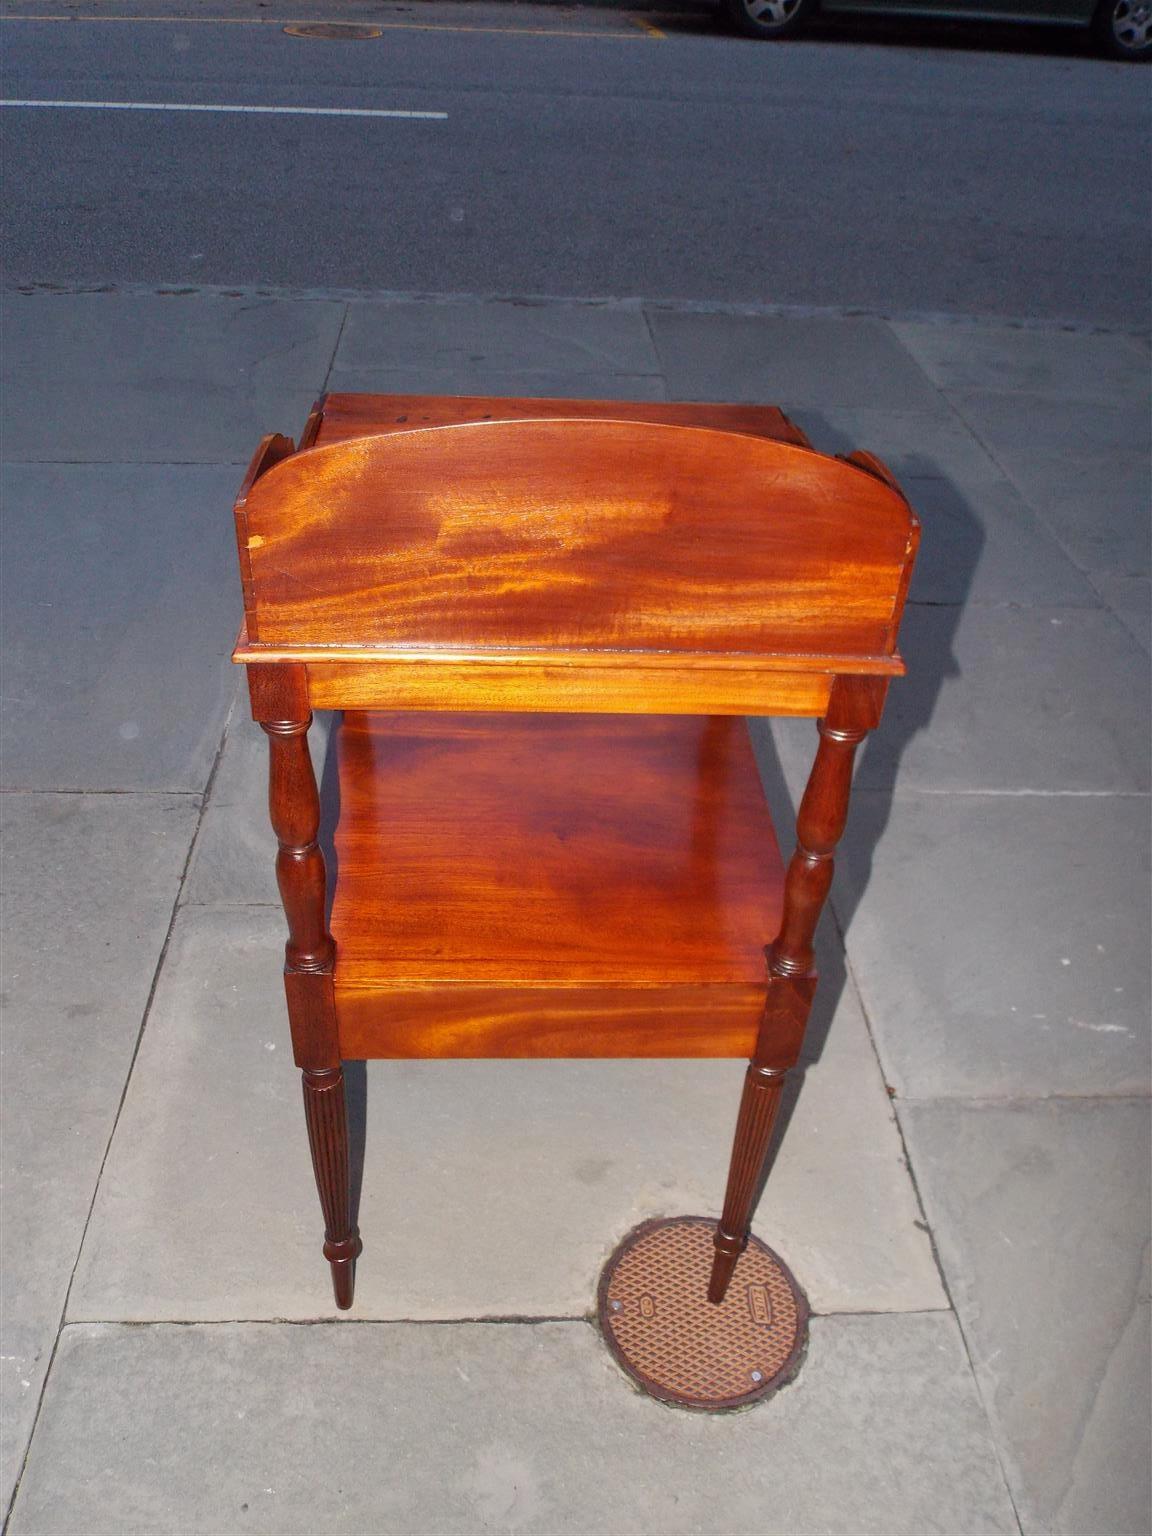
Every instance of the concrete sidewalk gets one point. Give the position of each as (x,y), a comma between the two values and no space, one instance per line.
(963,1186)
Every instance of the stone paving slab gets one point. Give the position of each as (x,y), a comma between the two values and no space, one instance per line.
(476,379)
(1041,1216)
(119,605)
(440,1430)
(486,347)
(1097,507)
(89,883)
(1130,599)
(790,361)
(149,378)
(1043,363)
(989,547)
(1001,942)
(1074,429)
(498,337)
(913,446)
(1011,699)
(490,1188)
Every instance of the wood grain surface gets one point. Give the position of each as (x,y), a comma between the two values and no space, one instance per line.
(551,885)
(574,535)
(578,681)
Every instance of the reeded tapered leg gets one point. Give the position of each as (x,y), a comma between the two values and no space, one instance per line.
(853,709)
(759,1106)
(327,1117)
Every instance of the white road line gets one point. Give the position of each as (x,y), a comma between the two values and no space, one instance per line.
(184,106)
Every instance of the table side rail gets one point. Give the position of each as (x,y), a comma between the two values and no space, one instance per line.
(576,682)
(442,1021)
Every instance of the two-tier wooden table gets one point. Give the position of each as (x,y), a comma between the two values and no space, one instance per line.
(542,621)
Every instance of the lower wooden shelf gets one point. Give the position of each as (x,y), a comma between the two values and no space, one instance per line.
(550,885)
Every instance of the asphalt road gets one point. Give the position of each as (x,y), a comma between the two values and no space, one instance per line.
(590,156)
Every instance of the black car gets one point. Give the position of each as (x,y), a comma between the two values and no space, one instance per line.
(1122,28)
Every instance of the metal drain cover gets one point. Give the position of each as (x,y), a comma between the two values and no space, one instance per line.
(334,31)
(658,1322)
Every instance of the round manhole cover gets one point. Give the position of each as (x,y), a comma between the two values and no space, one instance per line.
(657,1320)
(334,31)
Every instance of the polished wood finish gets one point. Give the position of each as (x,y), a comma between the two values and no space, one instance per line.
(309,965)
(279,692)
(625,681)
(563,536)
(604,673)
(551,885)
(326,1115)
(656,684)
(590,870)
(269,452)
(759,1106)
(598,1020)
(295,813)
(854,710)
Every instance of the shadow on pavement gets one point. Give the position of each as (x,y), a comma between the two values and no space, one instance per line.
(931,663)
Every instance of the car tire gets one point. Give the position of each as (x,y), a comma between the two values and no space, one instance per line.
(1123,29)
(768,18)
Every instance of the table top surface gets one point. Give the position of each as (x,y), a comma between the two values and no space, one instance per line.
(338,417)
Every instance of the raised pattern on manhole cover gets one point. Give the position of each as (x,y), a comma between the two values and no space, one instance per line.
(334,31)
(658,1322)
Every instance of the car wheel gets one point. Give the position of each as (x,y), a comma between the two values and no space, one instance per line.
(1124,28)
(768,18)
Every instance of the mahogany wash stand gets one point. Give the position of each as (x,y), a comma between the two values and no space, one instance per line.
(543,620)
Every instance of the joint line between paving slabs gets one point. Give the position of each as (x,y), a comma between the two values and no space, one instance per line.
(88,460)
(144,1017)
(32,789)
(947,1289)
(646,314)
(865,1011)
(1003,794)
(982,1100)
(334,1322)
(1036,510)
(335,348)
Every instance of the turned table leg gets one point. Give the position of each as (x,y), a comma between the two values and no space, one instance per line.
(853,710)
(309,971)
